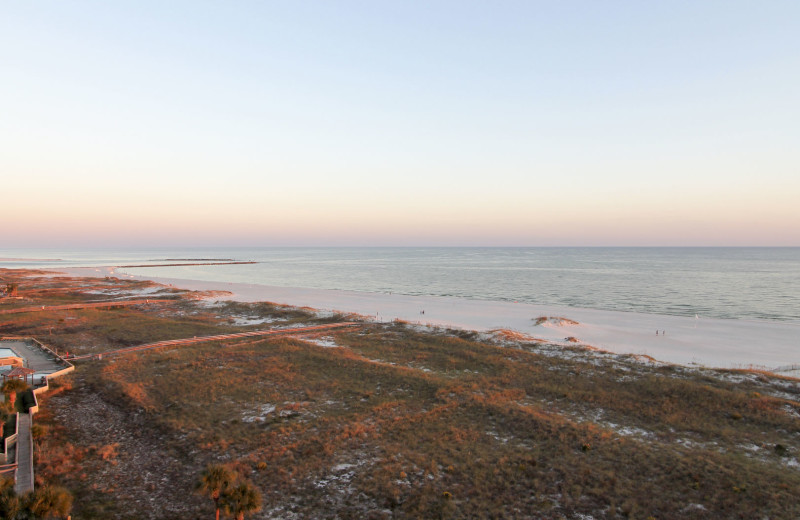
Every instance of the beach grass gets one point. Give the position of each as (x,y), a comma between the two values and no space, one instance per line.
(400,421)
(503,431)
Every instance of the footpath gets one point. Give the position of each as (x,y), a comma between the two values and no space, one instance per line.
(121,303)
(24,455)
(220,337)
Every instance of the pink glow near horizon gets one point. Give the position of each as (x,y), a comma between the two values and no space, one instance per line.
(311,226)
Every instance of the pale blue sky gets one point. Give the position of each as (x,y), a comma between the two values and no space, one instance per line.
(400,123)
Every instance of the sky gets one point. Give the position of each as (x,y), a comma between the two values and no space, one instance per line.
(441,123)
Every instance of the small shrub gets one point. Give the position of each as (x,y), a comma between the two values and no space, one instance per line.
(38,431)
(108,452)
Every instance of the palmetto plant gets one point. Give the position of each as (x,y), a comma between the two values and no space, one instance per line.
(10,389)
(241,499)
(49,502)
(214,482)
(10,503)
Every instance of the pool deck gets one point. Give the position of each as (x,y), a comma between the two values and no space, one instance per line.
(36,358)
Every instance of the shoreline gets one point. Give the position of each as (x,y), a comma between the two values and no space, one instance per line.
(707,342)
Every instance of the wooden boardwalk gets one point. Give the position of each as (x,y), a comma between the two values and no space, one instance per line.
(24,455)
(787,368)
(220,337)
(97,305)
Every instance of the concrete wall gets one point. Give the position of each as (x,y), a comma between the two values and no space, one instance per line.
(35,408)
(11,360)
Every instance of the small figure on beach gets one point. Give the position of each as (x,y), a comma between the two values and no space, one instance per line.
(656,332)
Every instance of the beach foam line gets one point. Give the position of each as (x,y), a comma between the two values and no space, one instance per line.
(709,342)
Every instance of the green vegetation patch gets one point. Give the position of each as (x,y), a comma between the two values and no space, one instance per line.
(396,422)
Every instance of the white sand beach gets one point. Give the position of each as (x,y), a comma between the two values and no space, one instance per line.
(686,341)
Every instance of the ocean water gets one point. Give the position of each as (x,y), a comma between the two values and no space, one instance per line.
(732,283)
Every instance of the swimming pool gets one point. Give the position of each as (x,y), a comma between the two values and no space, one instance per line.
(7,352)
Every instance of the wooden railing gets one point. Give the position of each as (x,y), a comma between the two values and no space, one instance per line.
(10,441)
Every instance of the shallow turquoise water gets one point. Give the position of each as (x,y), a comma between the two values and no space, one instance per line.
(736,283)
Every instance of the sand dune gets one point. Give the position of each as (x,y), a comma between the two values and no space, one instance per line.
(704,341)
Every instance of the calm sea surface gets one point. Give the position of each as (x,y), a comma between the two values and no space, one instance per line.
(737,283)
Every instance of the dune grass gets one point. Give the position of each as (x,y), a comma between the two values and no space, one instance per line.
(400,422)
